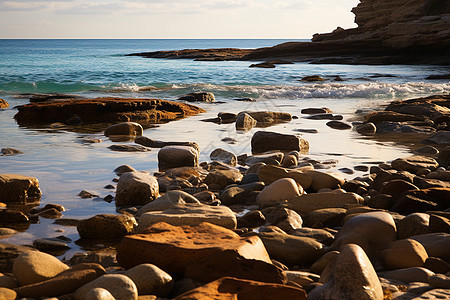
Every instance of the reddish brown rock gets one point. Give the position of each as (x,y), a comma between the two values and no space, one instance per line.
(105,110)
(232,288)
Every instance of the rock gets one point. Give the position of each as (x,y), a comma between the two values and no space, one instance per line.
(53,246)
(326,116)
(87,194)
(436,294)
(150,280)
(172,248)
(289,161)
(267,118)
(413,224)
(13,218)
(278,191)
(426,150)
(126,128)
(106,227)
(177,156)
(321,180)
(372,231)
(128,148)
(10,151)
(290,249)
(301,278)
(269,174)
(190,214)
(245,122)
(120,287)
(314,111)
(99,293)
(366,128)
(306,130)
(3,104)
(415,163)
(198,97)
(314,233)
(269,158)
(326,217)
(414,274)
(232,288)
(223,155)
(397,187)
(404,254)
(439,224)
(147,142)
(219,179)
(324,261)
(436,244)
(7,294)
(307,203)
(33,267)
(8,254)
(439,138)
(338,125)
(105,110)
(390,116)
(252,219)
(263,141)
(284,218)
(63,283)
(312,78)
(7,281)
(439,281)
(136,188)
(18,188)
(170,199)
(262,65)
(357,280)
(436,265)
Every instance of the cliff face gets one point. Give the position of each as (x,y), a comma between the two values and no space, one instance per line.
(398,24)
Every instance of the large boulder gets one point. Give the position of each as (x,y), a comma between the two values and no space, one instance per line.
(278,191)
(126,128)
(106,227)
(190,214)
(173,248)
(177,156)
(350,276)
(404,254)
(263,141)
(136,188)
(307,203)
(19,188)
(436,244)
(105,110)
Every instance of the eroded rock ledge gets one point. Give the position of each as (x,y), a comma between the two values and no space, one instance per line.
(104,110)
(400,32)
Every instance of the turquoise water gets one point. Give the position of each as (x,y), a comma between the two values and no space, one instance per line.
(65,166)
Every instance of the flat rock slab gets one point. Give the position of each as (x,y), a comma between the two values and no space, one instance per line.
(172,248)
(105,110)
(18,188)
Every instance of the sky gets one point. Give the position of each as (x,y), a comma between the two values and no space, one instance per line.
(203,19)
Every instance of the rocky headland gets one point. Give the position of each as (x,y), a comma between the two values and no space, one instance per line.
(399,32)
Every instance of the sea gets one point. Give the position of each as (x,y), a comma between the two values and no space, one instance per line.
(65,165)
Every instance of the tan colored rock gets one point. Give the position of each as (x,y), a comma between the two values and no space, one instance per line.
(3,104)
(277,192)
(33,267)
(372,231)
(126,128)
(301,278)
(324,261)
(7,294)
(120,287)
(436,244)
(322,180)
(268,174)
(223,155)
(19,188)
(136,188)
(307,203)
(415,163)
(314,233)
(351,276)
(232,288)
(290,249)
(413,224)
(219,179)
(172,248)
(404,254)
(245,122)
(106,227)
(177,156)
(170,199)
(414,274)
(64,283)
(99,294)
(190,214)
(150,280)
(8,254)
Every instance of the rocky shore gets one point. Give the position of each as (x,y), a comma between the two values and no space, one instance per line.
(403,32)
(270,224)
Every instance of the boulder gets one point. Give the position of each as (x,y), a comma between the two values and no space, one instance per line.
(99,293)
(350,276)
(172,248)
(169,200)
(219,179)
(267,118)
(320,235)
(439,138)
(321,180)
(262,65)
(223,155)
(269,174)
(18,188)
(325,217)
(372,231)
(307,203)
(407,275)
(126,128)
(263,141)
(34,266)
(390,116)
(150,280)
(106,227)
(190,214)
(404,254)
(8,254)
(436,244)
(312,78)
(105,110)
(314,111)
(177,156)
(338,125)
(7,294)
(128,148)
(301,278)
(278,191)
(252,219)
(232,288)
(147,142)
(284,218)
(245,122)
(439,281)
(366,128)
(415,163)
(120,287)
(413,224)
(3,104)
(136,188)
(10,151)
(7,281)
(397,187)
(198,97)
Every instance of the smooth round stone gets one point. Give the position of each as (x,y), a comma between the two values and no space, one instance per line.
(404,254)
(106,226)
(7,294)
(439,281)
(177,156)
(223,155)
(167,201)
(33,267)
(136,188)
(150,280)
(407,275)
(322,180)
(126,128)
(120,286)
(413,224)
(99,294)
(366,128)
(278,191)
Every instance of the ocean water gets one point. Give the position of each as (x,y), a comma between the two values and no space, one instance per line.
(65,165)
